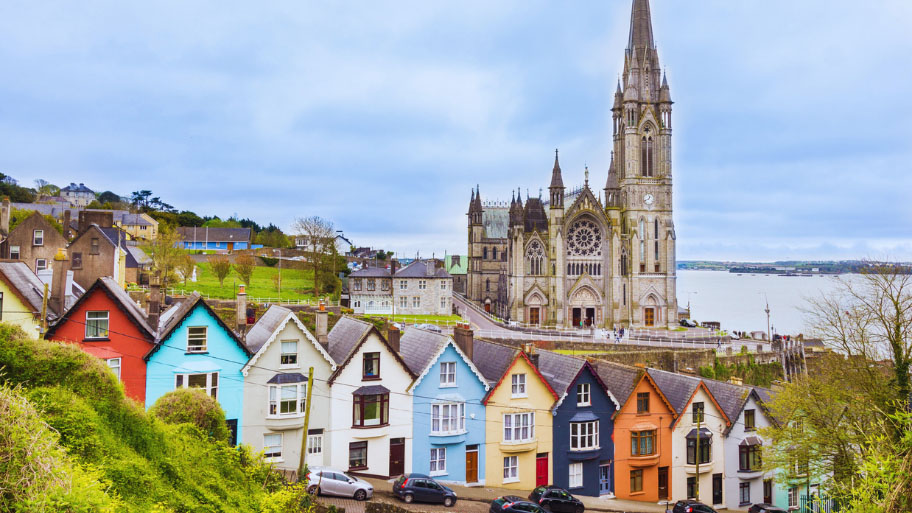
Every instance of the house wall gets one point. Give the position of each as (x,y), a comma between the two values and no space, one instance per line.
(394,377)
(22,236)
(500,402)
(430,296)
(224,245)
(224,356)
(602,406)
(470,390)
(714,421)
(16,312)
(94,266)
(627,420)
(124,338)
(733,478)
(256,398)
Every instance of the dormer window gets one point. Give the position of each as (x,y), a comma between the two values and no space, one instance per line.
(518,385)
(38,238)
(582,395)
(196,339)
(371,366)
(447,374)
(289,354)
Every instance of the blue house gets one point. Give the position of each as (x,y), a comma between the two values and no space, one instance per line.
(583,425)
(196,349)
(449,417)
(205,238)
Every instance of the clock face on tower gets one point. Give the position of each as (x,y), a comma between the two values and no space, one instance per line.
(648,199)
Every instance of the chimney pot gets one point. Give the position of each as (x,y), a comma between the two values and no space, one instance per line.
(465,340)
(393,336)
(241,316)
(322,322)
(59,282)
(154,303)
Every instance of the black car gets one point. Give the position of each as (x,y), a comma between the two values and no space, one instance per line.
(514,504)
(687,323)
(422,488)
(765,508)
(556,500)
(691,506)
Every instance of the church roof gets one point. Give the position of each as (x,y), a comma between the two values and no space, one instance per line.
(612,182)
(495,221)
(640,26)
(556,181)
(535,217)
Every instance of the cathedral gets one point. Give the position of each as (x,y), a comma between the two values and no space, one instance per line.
(584,257)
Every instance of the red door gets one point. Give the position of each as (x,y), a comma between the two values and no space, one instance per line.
(541,470)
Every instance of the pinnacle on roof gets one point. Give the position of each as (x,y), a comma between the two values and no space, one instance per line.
(640,26)
(612,182)
(556,181)
(519,197)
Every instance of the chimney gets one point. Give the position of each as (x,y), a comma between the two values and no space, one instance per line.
(5,211)
(59,282)
(430,267)
(322,324)
(241,316)
(529,349)
(464,338)
(734,380)
(154,302)
(66,224)
(393,335)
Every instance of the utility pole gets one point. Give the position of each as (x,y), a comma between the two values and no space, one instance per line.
(310,382)
(44,310)
(769,335)
(697,459)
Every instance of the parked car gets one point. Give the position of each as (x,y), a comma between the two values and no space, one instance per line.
(330,481)
(765,508)
(514,504)
(422,488)
(556,500)
(687,323)
(429,327)
(691,506)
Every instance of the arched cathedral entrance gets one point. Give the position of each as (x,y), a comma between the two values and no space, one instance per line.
(584,305)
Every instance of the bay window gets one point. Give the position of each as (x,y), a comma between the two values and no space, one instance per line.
(519,427)
(370,410)
(287,400)
(705,450)
(642,443)
(584,435)
(448,418)
(208,382)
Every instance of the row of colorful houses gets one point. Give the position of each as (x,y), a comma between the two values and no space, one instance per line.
(462,410)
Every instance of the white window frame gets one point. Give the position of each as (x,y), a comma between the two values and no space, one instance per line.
(511,469)
(315,444)
(447,374)
(296,394)
(583,394)
(107,324)
(443,285)
(283,354)
(115,365)
(40,264)
(356,303)
(15,252)
(403,284)
(575,475)
(38,238)
(416,301)
(212,380)
(584,436)
(443,303)
(403,302)
(793,497)
(438,461)
(519,428)
(518,385)
(448,418)
(197,348)
(266,447)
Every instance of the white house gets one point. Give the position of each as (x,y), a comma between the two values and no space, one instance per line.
(745,483)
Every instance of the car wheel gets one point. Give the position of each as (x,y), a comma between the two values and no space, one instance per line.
(314,490)
(409,498)
(580,509)
(360,495)
(449,502)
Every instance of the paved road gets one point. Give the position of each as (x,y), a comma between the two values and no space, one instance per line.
(353,506)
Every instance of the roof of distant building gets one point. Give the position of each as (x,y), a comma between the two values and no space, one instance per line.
(77,188)
(26,285)
(456,264)
(371,272)
(197,234)
(419,269)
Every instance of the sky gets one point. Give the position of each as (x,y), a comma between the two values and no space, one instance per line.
(792,120)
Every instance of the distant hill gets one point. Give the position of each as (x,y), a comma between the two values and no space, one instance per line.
(784,266)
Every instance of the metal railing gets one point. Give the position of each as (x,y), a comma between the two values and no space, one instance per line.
(262,300)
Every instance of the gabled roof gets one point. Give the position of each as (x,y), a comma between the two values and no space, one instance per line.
(421,348)
(26,285)
(371,272)
(561,372)
(619,379)
(730,397)
(492,360)
(419,269)
(346,338)
(76,188)
(456,264)
(264,332)
(702,385)
(677,388)
(517,358)
(176,318)
(201,233)
(120,298)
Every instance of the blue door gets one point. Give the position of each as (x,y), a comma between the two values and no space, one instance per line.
(604,479)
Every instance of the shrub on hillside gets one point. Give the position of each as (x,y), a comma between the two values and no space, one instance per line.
(192,406)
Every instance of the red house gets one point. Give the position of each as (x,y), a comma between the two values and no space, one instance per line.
(107,323)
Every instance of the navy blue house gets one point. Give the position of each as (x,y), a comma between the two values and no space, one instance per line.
(583,425)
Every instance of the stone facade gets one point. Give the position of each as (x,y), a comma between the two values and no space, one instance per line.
(582,258)
(35,242)
(420,288)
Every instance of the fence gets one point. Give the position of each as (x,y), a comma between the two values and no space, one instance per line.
(818,504)
(259,300)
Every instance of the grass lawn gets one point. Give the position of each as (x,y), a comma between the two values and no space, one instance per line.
(579,351)
(421,318)
(296,284)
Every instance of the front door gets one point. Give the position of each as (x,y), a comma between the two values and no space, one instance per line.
(397,457)
(472,464)
(717,488)
(663,483)
(487,307)
(768,491)
(533,316)
(577,317)
(604,478)
(232,431)
(650,316)
(590,316)
(541,469)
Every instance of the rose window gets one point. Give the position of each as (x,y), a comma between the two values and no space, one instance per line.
(584,239)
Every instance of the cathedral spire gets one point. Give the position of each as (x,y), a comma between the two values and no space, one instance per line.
(640,27)
(556,189)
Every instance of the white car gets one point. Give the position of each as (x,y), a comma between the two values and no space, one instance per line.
(330,481)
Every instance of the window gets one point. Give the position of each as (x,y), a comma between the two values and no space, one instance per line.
(14,252)
(208,382)
(371,284)
(582,394)
(511,469)
(96,324)
(705,450)
(357,455)
(744,493)
(370,410)
(519,427)
(443,303)
(448,374)
(371,366)
(77,260)
(289,352)
(356,285)
(1,306)
(403,302)
(697,412)
(422,284)
(576,475)
(356,303)
(493,253)
(93,250)
(443,285)
(750,457)
(448,418)
(642,443)
(272,446)
(488,285)
(691,487)
(484,252)
(793,497)
(287,399)
(416,302)
(403,284)
(646,155)
(438,461)
(584,436)
(315,444)
(196,339)
(643,402)
(535,257)
(749,420)
(40,264)
(636,480)
(384,285)
(114,364)
(38,238)
(519,385)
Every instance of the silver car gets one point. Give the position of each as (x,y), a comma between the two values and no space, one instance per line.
(330,481)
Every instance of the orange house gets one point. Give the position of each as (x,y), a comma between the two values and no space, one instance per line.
(642,442)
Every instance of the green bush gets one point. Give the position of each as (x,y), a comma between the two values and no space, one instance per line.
(192,406)
(269,261)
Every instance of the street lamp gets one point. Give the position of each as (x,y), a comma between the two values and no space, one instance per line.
(769,336)
(688,301)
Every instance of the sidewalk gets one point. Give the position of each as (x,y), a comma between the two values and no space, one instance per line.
(487,494)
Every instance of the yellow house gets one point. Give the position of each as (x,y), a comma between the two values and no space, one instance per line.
(138,226)
(21,297)
(519,427)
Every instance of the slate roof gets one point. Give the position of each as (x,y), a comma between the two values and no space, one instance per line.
(110,287)
(731,398)
(53,209)
(202,234)
(112,235)
(139,255)
(418,346)
(419,269)
(535,217)
(619,379)
(260,332)
(173,318)
(559,370)
(26,283)
(495,221)
(127,218)
(371,272)
(76,188)
(677,388)
(345,336)
(492,360)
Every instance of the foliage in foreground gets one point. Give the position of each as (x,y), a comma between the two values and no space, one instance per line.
(192,406)
(107,452)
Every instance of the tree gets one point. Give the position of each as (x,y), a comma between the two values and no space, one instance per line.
(46,188)
(109,197)
(244,265)
(192,406)
(185,266)
(319,238)
(188,218)
(221,266)
(165,253)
